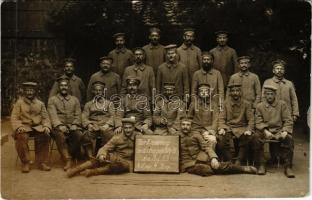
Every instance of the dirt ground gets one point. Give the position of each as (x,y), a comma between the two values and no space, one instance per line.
(54,184)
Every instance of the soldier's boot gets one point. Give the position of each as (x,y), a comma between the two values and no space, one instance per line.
(44,167)
(96,171)
(247,169)
(25,167)
(241,155)
(68,164)
(68,159)
(289,172)
(261,170)
(73,171)
(89,151)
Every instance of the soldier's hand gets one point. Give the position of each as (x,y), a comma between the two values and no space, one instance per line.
(118,130)
(73,127)
(101,156)
(214,163)
(21,130)
(163,121)
(104,127)
(96,127)
(284,134)
(247,133)
(221,131)
(63,129)
(46,130)
(268,134)
(295,118)
(144,127)
(212,132)
(90,127)
(172,131)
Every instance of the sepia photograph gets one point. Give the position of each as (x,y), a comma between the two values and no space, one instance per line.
(154,99)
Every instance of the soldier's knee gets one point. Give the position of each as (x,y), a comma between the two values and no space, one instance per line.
(21,137)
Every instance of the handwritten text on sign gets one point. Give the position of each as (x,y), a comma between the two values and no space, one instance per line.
(155,153)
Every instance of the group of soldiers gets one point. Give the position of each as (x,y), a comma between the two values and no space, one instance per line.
(162,90)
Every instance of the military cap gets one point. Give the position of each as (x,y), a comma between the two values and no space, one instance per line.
(133,79)
(154,29)
(270,87)
(232,85)
(206,53)
(203,85)
(62,79)
(188,30)
(131,120)
(106,58)
(243,57)
(186,118)
(278,62)
(30,84)
(98,83)
(169,85)
(139,48)
(119,35)
(69,60)
(221,32)
(170,46)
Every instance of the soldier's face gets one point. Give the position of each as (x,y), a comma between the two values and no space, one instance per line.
(98,90)
(269,96)
(186,126)
(204,92)
(279,70)
(132,88)
(168,91)
(188,37)
(207,60)
(29,93)
(120,42)
(171,55)
(63,87)
(235,93)
(69,68)
(154,37)
(138,56)
(244,64)
(105,65)
(128,129)
(222,39)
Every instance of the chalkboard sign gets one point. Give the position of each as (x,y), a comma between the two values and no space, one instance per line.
(154,153)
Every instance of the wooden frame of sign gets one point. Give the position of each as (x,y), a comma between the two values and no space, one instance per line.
(156,154)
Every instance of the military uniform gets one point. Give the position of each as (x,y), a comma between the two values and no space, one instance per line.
(77,88)
(112,83)
(155,55)
(146,75)
(121,59)
(33,117)
(65,111)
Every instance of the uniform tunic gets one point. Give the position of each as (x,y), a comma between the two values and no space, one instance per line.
(155,56)
(121,59)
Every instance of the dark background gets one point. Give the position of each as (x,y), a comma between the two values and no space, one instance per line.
(52,30)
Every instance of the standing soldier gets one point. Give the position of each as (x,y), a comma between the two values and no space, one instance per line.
(198,157)
(109,78)
(155,52)
(190,55)
(169,108)
(236,118)
(122,57)
(144,72)
(30,118)
(98,118)
(225,58)
(250,83)
(173,71)
(211,76)
(77,87)
(135,105)
(285,88)
(65,115)
(274,121)
(115,157)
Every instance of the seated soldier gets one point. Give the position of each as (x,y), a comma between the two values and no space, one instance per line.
(236,118)
(198,157)
(29,117)
(135,105)
(168,110)
(274,121)
(65,115)
(114,157)
(205,113)
(98,118)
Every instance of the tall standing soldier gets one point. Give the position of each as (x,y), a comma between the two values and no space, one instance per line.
(77,87)
(274,121)
(65,114)
(111,79)
(29,117)
(285,88)
(225,57)
(189,54)
(122,57)
(173,71)
(155,52)
(144,72)
(250,83)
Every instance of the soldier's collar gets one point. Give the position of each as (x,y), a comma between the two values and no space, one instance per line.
(205,72)
(271,105)
(186,47)
(139,67)
(222,48)
(61,97)
(28,101)
(154,46)
(276,80)
(236,103)
(171,64)
(244,73)
(122,50)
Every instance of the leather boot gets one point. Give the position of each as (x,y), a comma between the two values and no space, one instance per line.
(249,169)
(261,170)
(289,172)
(73,171)
(94,172)
(44,167)
(68,164)
(25,167)
(238,162)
